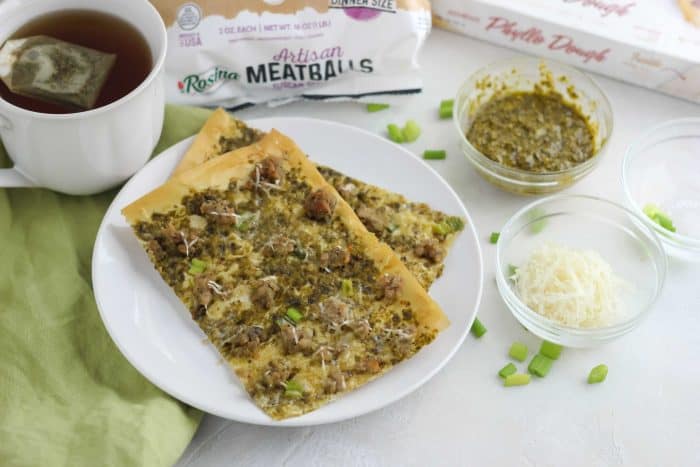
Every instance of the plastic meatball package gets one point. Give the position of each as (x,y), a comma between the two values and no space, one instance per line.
(234,53)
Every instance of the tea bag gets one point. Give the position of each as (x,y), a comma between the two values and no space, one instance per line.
(54,71)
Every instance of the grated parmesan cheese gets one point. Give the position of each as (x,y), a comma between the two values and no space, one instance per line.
(576,288)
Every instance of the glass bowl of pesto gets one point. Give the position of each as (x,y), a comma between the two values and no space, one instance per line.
(578,270)
(532,126)
(661,184)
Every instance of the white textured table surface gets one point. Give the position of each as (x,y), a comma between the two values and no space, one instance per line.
(646,413)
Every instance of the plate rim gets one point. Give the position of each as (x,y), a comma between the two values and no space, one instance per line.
(294,421)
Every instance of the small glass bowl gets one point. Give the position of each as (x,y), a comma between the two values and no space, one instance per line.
(524,74)
(663,168)
(620,236)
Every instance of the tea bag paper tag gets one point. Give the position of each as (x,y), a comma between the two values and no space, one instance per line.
(55,71)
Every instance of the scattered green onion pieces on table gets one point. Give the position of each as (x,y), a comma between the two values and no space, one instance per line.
(657,215)
(434,154)
(346,288)
(197,266)
(478,329)
(372,107)
(550,349)
(507,370)
(518,351)
(410,131)
(446,108)
(395,133)
(540,365)
(494,237)
(517,379)
(598,374)
(293,389)
(294,315)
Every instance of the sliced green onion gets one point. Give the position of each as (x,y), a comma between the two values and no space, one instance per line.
(372,107)
(434,154)
(494,237)
(550,349)
(410,131)
(507,370)
(446,108)
(478,329)
(540,365)
(197,266)
(245,221)
(293,390)
(395,133)
(346,288)
(512,271)
(441,228)
(598,374)
(517,379)
(657,215)
(294,315)
(539,221)
(455,223)
(518,351)
(450,225)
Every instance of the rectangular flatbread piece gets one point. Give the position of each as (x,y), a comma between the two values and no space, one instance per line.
(275,267)
(419,234)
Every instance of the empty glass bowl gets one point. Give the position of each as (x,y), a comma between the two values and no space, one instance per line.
(663,168)
(620,236)
(524,74)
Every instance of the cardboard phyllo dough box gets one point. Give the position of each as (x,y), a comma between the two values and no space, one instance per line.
(651,44)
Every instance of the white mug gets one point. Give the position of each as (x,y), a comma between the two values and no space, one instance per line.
(85,152)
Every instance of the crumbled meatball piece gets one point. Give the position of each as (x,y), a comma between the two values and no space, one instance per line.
(277,373)
(156,250)
(247,339)
(335,381)
(375,220)
(361,328)
(264,293)
(431,250)
(271,170)
(336,257)
(319,205)
(333,311)
(370,365)
(279,245)
(297,338)
(220,211)
(181,241)
(202,292)
(389,286)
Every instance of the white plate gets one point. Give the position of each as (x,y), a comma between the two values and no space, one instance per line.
(155,333)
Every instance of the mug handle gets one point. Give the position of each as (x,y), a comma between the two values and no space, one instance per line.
(12,178)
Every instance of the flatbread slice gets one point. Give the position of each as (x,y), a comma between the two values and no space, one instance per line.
(275,267)
(420,235)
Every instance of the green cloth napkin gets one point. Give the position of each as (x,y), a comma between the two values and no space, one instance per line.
(67,395)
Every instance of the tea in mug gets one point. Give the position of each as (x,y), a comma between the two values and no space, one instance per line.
(71,61)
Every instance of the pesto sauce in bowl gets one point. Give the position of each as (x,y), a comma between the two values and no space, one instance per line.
(533,131)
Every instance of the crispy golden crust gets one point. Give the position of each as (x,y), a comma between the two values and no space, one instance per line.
(237,165)
(207,143)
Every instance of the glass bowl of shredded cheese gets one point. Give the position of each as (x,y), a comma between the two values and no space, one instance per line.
(579,270)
